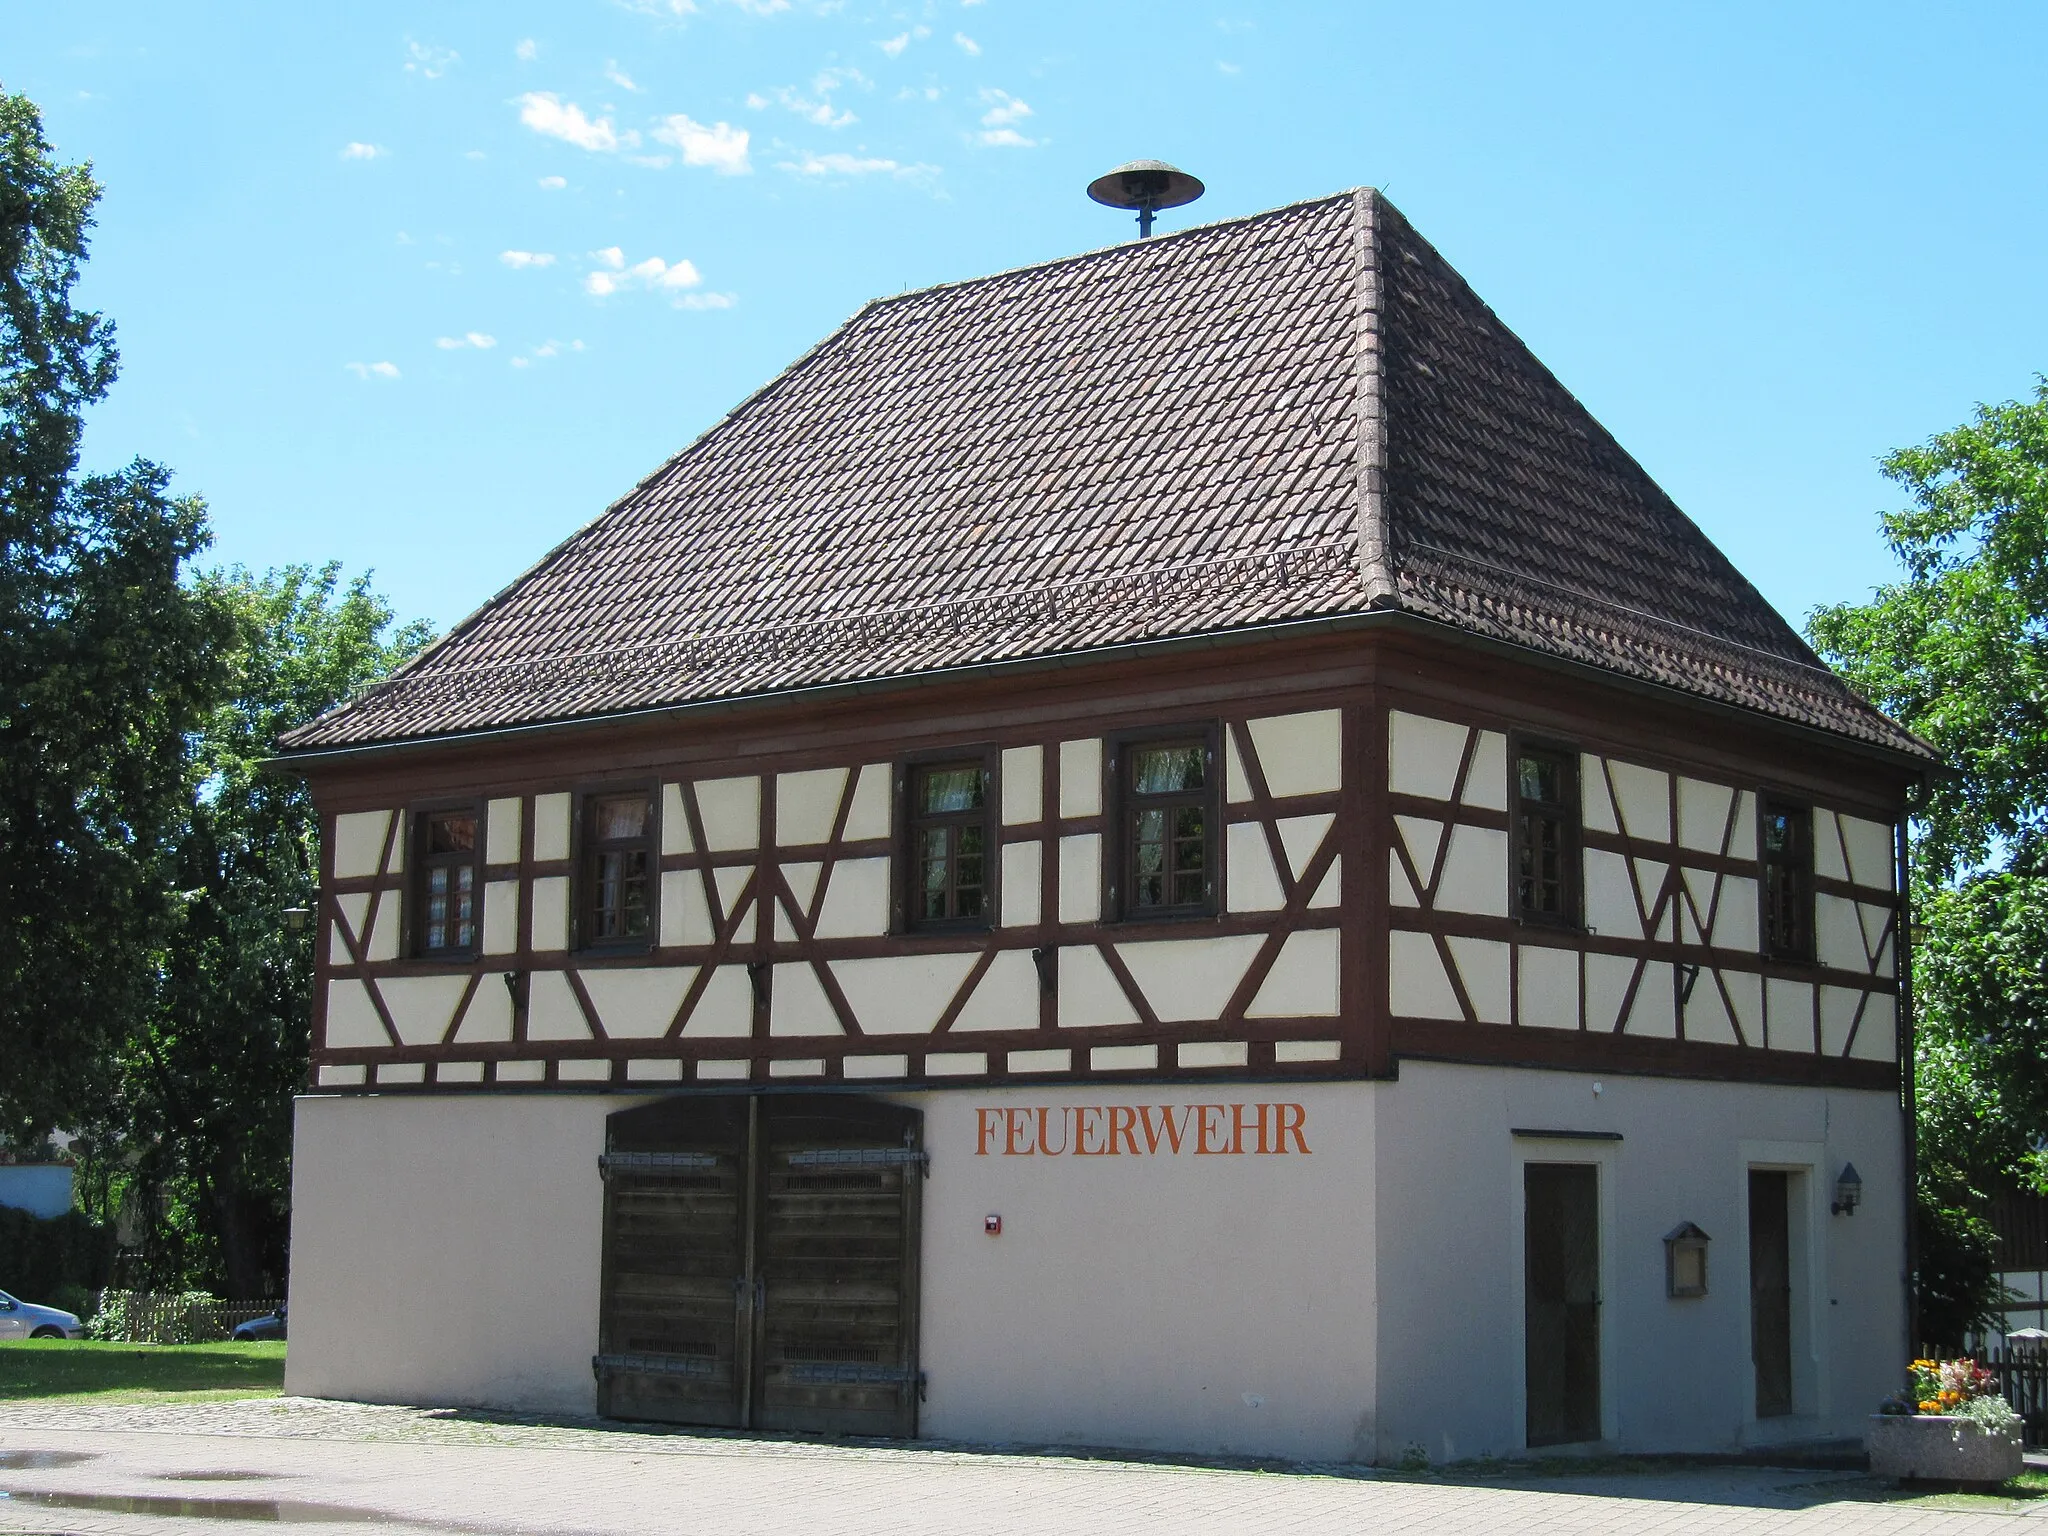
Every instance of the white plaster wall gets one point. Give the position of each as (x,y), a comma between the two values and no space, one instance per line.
(359,842)
(1198,1302)
(1678,1372)
(445,1250)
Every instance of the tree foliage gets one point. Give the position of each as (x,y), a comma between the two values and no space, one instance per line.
(107,662)
(211,1070)
(1958,650)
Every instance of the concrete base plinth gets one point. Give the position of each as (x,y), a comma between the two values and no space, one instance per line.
(1926,1447)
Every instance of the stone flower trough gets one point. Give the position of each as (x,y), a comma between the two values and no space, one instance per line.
(1933,1448)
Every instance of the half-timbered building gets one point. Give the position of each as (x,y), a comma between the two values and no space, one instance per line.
(1171,848)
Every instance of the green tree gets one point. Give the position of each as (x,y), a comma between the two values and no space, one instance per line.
(1958,650)
(211,1073)
(107,662)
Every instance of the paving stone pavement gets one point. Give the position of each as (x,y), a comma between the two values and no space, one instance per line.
(178,1470)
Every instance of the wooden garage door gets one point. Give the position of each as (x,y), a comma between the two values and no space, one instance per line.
(761,1264)
(839,1183)
(671,1338)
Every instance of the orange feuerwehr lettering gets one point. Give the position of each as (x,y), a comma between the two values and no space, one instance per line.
(1081,1129)
(1238,1124)
(1290,1119)
(1044,1141)
(985,1123)
(1202,1136)
(1123,1122)
(1015,1121)
(1165,1127)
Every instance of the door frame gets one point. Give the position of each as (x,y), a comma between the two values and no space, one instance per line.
(1604,1157)
(1806,1248)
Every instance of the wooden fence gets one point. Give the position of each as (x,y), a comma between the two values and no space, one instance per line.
(2022,1380)
(155,1317)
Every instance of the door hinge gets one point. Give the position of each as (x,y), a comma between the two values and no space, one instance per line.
(602,1366)
(861,1157)
(609,1163)
(823,1372)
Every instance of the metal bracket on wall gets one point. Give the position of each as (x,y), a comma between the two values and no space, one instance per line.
(1046,959)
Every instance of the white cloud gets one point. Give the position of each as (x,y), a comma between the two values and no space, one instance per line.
(1226,67)
(691,8)
(527,49)
(614,274)
(429,60)
(894,46)
(967,45)
(553,183)
(546,113)
(1003,109)
(618,76)
(474,154)
(998,123)
(920,93)
(361,151)
(721,146)
(837,164)
(372,370)
(823,113)
(522,259)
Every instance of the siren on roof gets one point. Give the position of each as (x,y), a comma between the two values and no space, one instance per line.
(1148,186)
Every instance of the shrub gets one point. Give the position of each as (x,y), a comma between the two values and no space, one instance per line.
(40,1255)
(147,1317)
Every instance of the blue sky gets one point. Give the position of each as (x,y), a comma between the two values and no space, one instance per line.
(423,288)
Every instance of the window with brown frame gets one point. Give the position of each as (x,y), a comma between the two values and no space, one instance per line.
(949,845)
(1785,836)
(1167,827)
(1546,847)
(616,871)
(444,878)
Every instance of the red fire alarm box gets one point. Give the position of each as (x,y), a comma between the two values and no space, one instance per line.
(992,1224)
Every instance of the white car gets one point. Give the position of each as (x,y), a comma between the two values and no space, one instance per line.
(26,1320)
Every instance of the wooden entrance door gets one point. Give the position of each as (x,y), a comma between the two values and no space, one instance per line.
(760,1264)
(1770,1289)
(1561,1299)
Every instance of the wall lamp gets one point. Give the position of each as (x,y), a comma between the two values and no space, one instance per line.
(1848,1191)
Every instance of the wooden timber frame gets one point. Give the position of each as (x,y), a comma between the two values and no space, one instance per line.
(1362,669)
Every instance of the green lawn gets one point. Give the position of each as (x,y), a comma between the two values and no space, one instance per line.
(65,1370)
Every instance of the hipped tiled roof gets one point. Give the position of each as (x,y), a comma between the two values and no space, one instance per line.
(1299,414)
